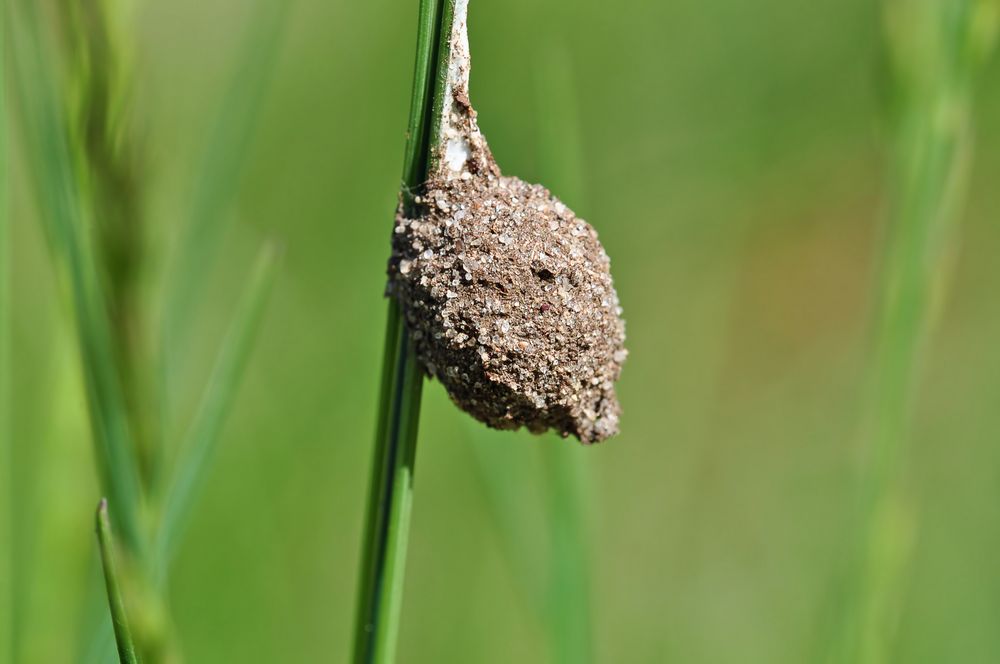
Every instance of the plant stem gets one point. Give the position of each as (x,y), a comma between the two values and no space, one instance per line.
(66,218)
(390,500)
(933,50)
(390,491)
(119,619)
(556,584)
(114,190)
(202,438)
(215,186)
(7,653)
(567,609)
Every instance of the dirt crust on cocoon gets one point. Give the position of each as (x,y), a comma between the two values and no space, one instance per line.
(508,298)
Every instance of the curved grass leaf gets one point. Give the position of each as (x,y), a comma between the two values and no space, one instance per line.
(203,435)
(63,214)
(933,50)
(558,586)
(7,652)
(112,581)
(218,175)
(568,605)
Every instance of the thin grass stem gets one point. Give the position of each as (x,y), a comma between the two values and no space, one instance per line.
(217,181)
(60,200)
(112,580)
(567,610)
(390,497)
(556,584)
(932,51)
(7,653)
(199,445)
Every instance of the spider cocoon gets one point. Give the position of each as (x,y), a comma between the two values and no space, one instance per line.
(509,301)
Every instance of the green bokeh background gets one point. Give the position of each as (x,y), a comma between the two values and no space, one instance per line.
(732,156)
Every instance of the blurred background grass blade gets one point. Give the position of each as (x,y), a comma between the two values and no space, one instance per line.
(199,445)
(99,645)
(108,144)
(560,161)
(7,603)
(555,582)
(113,583)
(57,182)
(217,177)
(567,607)
(933,52)
(509,474)
(559,135)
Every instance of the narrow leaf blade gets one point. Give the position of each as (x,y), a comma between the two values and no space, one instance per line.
(56,181)
(217,178)
(203,435)
(7,653)
(112,580)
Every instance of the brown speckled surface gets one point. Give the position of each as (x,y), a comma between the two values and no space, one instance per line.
(508,297)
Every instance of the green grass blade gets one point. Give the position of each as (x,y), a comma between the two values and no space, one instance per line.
(559,135)
(418,128)
(932,51)
(543,532)
(203,436)
(57,188)
(218,175)
(383,557)
(113,166)
(567,611)
(556,585)
(398,492)
(112,580)
(99,646)
(508,476)
(390,499)
(6,427)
